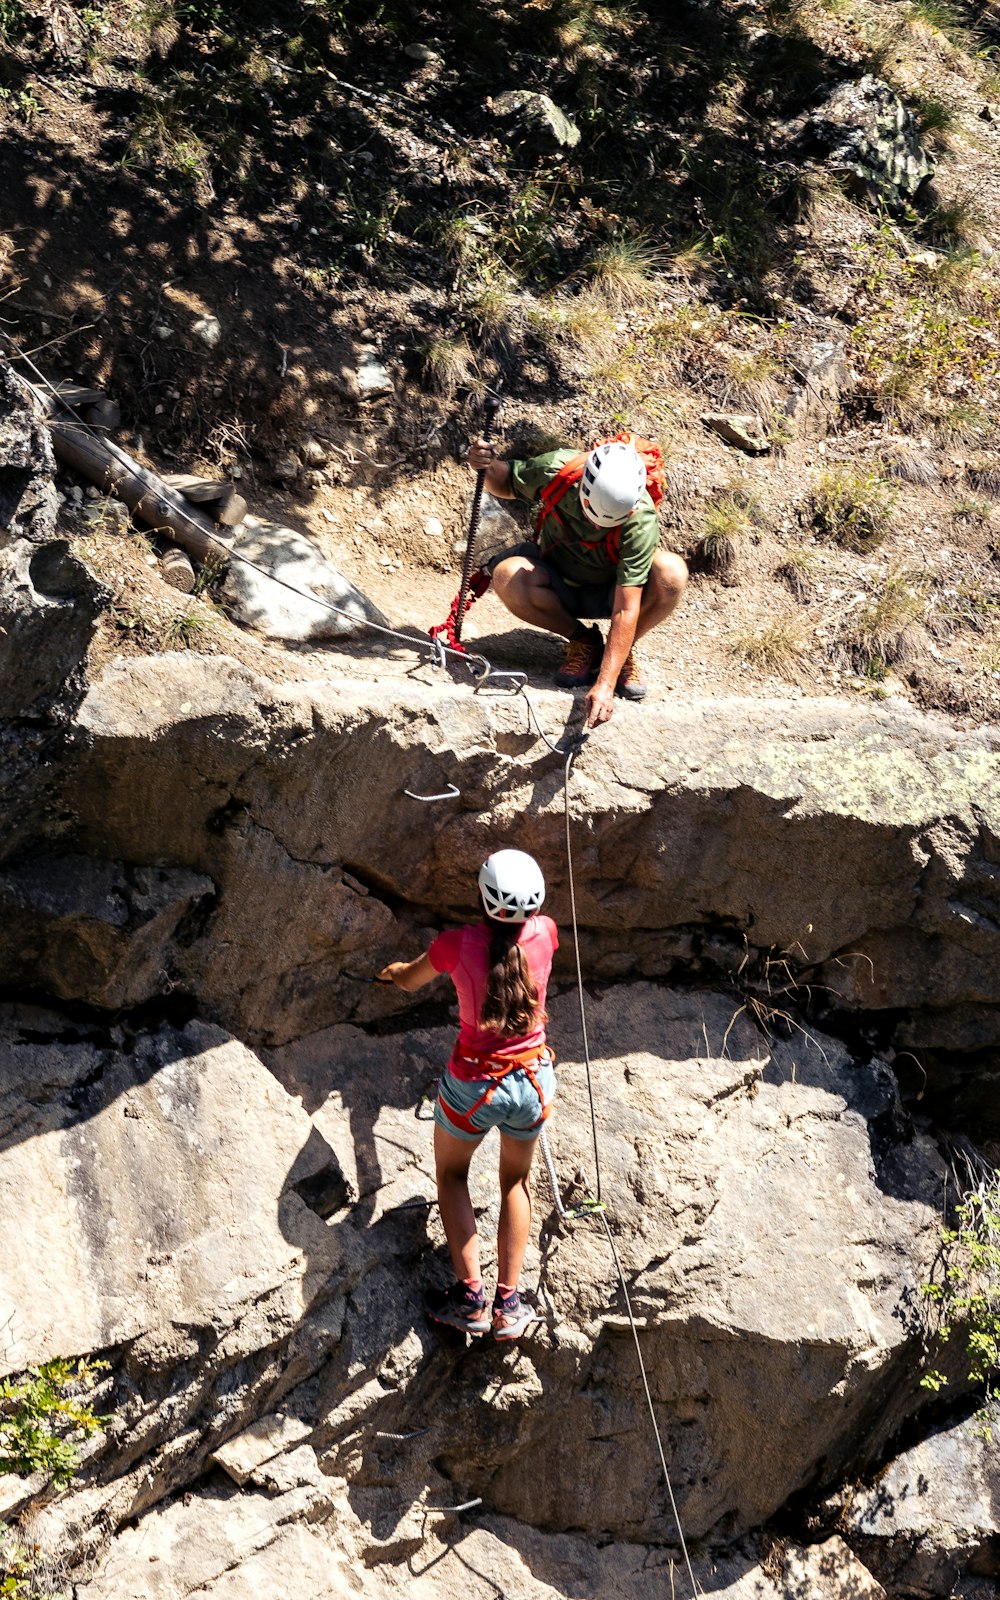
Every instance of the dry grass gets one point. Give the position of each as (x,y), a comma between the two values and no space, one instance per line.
(622,271)
(750,382)
(796,572)
(908,463)
(447,363)
(777,648)
(582,321)
(726,525)
(883,632)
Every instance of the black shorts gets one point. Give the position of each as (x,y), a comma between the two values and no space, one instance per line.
(580,599)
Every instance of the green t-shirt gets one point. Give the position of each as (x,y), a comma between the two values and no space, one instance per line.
(575,547)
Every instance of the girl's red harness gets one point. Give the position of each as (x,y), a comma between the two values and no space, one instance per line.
(498,1067)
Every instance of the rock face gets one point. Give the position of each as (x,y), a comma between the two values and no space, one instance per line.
(861,846)
(166,1207)
(48,601)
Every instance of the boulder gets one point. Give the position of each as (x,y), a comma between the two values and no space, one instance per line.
(932,1518)
(746,433)
(773,1256)
(773,1216)
(266,600)
(536,118)
(871,138)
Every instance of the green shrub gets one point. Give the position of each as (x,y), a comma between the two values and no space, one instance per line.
(968,1291)
(853,507)
(44,1415)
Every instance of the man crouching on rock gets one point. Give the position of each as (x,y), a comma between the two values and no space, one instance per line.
(597,555)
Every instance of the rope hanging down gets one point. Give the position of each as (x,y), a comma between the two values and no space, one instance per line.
(481,677)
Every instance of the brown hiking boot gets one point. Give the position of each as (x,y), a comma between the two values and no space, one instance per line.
(582,660)
(631,684)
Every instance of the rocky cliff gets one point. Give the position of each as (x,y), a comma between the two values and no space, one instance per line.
(215,1169)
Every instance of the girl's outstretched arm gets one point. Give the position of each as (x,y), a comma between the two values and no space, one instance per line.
(410,975)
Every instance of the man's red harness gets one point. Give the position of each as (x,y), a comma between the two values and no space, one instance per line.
(498,1068)
(569,473)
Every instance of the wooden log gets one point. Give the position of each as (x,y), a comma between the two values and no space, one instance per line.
(176,569)
(160,507)
(69,394)
(225,504)
(102,414)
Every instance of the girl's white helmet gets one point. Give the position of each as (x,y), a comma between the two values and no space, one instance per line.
(511,885)
(612,484)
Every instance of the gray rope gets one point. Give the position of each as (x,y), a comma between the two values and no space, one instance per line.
(649,1402)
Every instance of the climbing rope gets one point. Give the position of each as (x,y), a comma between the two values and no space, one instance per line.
(483,672)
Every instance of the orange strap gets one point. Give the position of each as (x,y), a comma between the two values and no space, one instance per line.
(526,1061)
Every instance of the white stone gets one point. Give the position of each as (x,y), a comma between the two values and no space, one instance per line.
(267,1437)
(288,612)
(372,376)
(208,329)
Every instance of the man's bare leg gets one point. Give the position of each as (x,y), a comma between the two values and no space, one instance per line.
(662,592)
(525,590)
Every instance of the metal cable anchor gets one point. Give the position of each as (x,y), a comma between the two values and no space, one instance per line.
(428,799)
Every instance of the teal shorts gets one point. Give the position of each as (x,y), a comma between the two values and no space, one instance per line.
(514,1107)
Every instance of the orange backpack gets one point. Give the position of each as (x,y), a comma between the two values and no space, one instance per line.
(572,471)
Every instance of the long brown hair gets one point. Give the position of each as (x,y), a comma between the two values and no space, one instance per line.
(511,1003)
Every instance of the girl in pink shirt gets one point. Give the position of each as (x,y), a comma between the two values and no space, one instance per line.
(500,1076)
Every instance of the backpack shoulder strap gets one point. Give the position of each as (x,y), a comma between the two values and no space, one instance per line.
(569,473)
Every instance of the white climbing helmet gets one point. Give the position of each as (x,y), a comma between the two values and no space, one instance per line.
(511,885)
(612,484)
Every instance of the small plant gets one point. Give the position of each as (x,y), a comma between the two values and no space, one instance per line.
(797,571)
(853,507)
(44,1414)
(622,270)
(726,524)
(879,635)
(188,630)
(447,363)
(958,220)
(989,660)
(933,117)
(777,648)
(968,1292)
(13,20)
(27,1572)
(750,382)
(210,572)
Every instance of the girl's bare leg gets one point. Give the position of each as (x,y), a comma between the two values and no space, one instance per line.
(452,1157)
(515,1206)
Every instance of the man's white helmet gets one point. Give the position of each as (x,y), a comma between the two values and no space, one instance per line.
(612,484)
(511,885)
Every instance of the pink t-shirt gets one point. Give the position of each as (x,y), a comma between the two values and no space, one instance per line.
(464,953)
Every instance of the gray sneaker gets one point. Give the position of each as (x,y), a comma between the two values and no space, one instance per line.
(511,1316)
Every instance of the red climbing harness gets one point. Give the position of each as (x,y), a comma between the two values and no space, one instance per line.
(568,474)
(498,1068)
